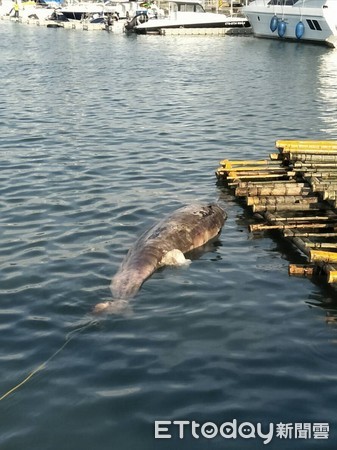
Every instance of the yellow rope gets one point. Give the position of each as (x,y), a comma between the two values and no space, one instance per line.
(69,337)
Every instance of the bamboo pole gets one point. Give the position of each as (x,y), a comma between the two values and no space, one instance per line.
(311,165)
(306,145)
(329,194)
(318,245)
(303,270)
(325,256)
(321,173)
(331,273)
(275,156)
(296,219)
(301,245)
(256,176)
(280,199)
(283,226)
(298,242)
(273,218)
(255,171)
(247,175)
(275,183)
(271,186)
(292,207)
(305,157)
(253,191)
(322,186)
(294,233)
(226,163)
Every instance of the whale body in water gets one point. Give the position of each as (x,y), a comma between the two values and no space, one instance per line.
(165,243)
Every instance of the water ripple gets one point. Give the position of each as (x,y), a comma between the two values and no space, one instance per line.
(102,135)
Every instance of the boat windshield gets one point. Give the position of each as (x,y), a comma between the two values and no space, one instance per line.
(181,6)
(283,2)
(189,7)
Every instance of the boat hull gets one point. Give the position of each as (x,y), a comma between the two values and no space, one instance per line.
(155,26)
(318,24)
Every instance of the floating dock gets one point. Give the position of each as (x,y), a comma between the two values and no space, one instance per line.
(118,27)
(293,191)
(235,31)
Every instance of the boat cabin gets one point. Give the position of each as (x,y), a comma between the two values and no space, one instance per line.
(172,7)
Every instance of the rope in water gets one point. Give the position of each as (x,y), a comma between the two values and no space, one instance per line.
(69,337)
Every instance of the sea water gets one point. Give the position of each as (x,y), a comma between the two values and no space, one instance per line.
(102,135)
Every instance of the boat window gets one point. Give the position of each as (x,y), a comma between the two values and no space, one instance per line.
(168,7)
(311,25)
(283,2)
(190,7)
(317,25)
(314,24)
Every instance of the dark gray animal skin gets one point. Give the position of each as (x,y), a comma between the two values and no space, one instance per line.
(185,229)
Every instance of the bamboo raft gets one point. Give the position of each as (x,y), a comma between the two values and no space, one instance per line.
(294,191)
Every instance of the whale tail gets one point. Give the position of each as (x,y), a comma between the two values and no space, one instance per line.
(117,307)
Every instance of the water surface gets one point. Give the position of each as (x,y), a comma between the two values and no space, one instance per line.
(101,135)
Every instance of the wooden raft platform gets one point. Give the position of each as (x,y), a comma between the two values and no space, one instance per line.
(294,192)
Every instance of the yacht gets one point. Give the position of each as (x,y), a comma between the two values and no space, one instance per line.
(170,14)
(78,10)
(38,9)
(300,20)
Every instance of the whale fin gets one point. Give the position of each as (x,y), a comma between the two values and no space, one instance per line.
(174,258)
(118,307)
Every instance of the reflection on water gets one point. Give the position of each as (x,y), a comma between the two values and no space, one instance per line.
(103,135)
(327,99)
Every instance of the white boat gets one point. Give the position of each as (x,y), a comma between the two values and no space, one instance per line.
(78,10)
(38,9)
(170,14)
(300,20)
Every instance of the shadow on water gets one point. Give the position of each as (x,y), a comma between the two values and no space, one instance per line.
(210,247)
(325,297)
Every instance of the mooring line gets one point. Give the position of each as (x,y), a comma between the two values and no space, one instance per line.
(69,337)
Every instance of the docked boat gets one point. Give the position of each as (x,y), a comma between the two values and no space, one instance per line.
(79,10)
(170,14)
(38,9)
(300,20)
